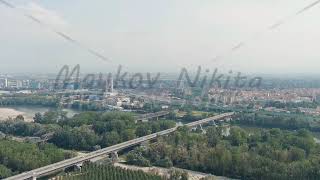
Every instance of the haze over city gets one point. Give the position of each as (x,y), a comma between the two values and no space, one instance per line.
(161,35)
(159,90)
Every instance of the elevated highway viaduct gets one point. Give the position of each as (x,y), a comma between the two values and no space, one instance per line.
(49,169)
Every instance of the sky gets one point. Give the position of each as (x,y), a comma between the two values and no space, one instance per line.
(161,36)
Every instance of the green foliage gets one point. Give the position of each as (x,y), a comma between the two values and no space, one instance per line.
(178,175)
(4,171)
(98,172)
(189,117)
(135,157)
(85,131)
(79,138)
(290,105)
(83,118)
(264,154)
(213,135)
(19,157)
(288,121)
(21,128)
(237,136)
(166,162)
(110,138)
(37,118)
(143,130)
(33,100)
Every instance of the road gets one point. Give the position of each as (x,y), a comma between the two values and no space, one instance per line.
(46,170)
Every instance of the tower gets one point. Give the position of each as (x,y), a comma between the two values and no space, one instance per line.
(109,85)
(6,82)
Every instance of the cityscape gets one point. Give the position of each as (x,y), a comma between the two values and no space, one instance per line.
(140,90)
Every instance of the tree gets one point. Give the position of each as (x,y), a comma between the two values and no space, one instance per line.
(178,175)
(81,138)
(37,118)
(50,117)
(4,172)
(296,154)
(128,134)
(264,154)
(166,162)
(20,118)
(213,136)
(189,116)
(18,157)
(110,138)
(237,136)
(135,157)
(172,115)
(143,130)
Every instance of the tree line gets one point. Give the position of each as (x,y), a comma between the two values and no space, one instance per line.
(33,100)
(273,120)
(85,131)
(96,172)
(17,157)
(290,105)
(235,153)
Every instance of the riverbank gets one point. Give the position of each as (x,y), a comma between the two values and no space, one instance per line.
(9,113)
(27,112)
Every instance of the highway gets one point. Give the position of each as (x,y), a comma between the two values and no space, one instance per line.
(46,170)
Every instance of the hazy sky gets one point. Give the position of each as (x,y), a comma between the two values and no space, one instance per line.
(161,35)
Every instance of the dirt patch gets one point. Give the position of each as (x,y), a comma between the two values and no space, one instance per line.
(7,113)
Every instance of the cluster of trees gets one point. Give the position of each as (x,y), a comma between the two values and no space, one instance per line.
(290,122)
(264,154)
(48,101)
(87,106)
(92,130)
(22,128)
(17,157)
(85,131)
(97,172)
(290,105)
(191,116)
(79,138)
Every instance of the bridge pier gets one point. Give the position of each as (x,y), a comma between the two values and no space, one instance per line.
(79,166)
(144,144)
(34,178)
(202,130)
(114,157)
